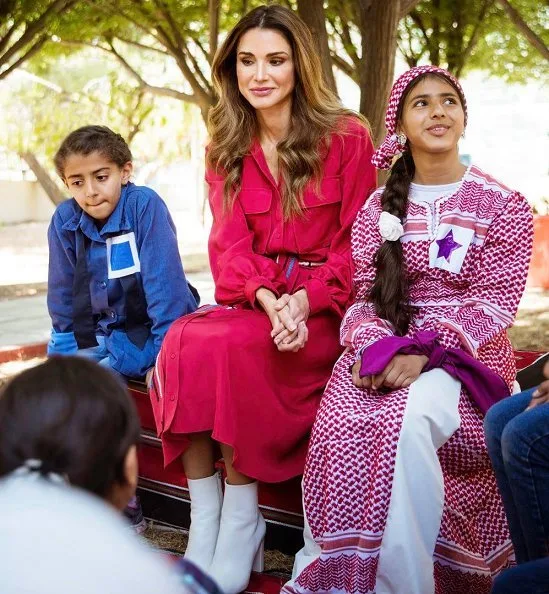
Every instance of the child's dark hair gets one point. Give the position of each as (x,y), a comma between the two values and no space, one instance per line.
(74,416)
(390,290)
(89,139)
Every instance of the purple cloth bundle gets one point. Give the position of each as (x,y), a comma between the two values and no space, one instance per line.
(484,385)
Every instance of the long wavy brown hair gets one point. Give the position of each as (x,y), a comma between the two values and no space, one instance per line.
(316,111)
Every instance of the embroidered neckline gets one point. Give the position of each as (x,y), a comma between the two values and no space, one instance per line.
(452,191)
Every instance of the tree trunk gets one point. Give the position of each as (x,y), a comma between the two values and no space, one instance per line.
(44,179)
(378,24)
(523,27)
(434,42)
(213,17)
(312,12)
(456,34)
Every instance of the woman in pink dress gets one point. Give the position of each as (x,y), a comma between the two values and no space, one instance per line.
(399,493)
(288,169)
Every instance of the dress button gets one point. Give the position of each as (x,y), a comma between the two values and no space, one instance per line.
(103,284)
(172,356)
(172,397)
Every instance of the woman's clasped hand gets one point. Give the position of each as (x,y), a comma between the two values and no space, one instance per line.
(288,315)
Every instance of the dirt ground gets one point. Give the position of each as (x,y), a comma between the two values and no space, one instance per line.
(175,541)
(530,332)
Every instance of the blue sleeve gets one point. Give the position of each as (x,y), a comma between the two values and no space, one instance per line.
(62,261)
(166,289)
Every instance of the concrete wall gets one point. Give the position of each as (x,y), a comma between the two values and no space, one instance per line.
(22,201)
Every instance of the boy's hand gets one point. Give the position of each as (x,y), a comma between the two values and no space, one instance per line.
(541,395)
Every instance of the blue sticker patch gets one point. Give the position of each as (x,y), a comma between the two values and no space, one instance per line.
(121,256)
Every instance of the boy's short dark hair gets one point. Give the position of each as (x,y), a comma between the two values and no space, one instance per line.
(89,139)
(74,416)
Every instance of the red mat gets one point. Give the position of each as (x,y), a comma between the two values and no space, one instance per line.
(260,583)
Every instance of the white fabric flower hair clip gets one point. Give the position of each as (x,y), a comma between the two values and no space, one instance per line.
(390,227)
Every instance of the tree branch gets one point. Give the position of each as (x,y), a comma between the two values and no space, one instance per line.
(36,27)
(473,39)
(345,67)
(5,40)
(141,46)
(523,27)
(33,50)
(406,6)
(412,58)
(348,42)
(198,70)
(414,15)
(181,54)
(203,51)
(160,91)
(117,10)
(213,18)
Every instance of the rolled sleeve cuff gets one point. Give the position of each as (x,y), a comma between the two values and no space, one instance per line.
(62,343)
(255,283)
(318,295)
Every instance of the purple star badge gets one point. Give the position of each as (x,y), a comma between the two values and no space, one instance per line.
(447,245)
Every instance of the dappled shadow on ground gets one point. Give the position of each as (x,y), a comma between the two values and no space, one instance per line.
(531,330)
(175,541)
(22,290)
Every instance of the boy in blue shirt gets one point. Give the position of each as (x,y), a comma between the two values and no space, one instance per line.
(115,282)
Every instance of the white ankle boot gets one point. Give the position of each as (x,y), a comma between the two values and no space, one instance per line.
(239,547)
(206,501)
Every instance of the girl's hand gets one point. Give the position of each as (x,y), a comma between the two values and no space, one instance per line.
(402,371)
(364,383)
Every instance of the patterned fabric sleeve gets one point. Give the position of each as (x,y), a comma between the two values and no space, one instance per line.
(494,297)
(361,326)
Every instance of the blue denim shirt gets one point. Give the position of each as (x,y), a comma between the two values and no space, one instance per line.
(143,215)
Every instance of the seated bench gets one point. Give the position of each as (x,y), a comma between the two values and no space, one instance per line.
(165,496)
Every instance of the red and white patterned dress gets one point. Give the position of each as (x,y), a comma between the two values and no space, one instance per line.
(467,256)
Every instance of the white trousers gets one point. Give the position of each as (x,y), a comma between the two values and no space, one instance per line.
(417,496)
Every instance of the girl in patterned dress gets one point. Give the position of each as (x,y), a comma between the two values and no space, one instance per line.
(399,493)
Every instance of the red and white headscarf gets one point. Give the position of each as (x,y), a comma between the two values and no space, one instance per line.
(392,146)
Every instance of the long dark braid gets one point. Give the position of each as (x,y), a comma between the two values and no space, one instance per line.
(390,291)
